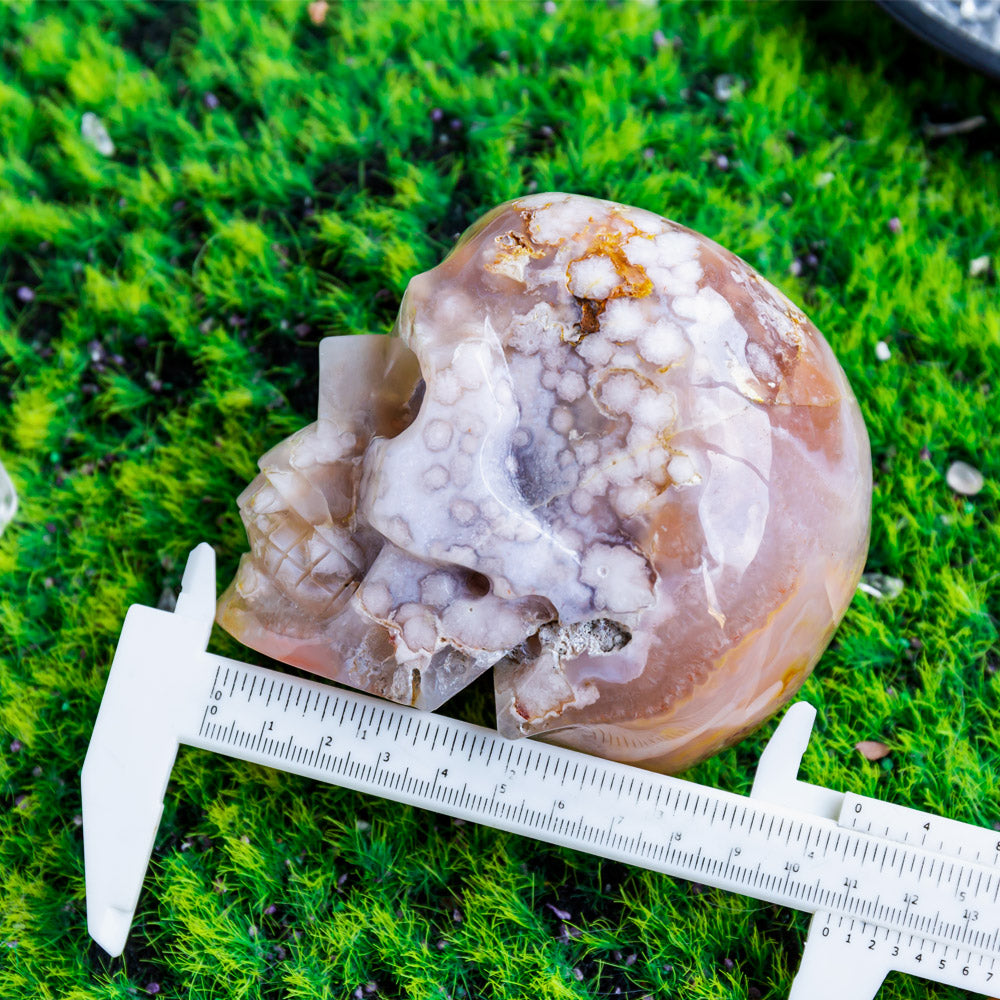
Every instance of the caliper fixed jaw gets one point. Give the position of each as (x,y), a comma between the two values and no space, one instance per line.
(134,745)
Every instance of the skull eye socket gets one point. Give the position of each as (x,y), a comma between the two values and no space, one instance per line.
(391,390)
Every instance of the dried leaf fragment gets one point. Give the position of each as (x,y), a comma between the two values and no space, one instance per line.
(872,750)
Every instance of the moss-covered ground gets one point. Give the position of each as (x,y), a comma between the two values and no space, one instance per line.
(275,180)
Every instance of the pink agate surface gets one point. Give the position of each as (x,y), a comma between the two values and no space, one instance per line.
(601,455)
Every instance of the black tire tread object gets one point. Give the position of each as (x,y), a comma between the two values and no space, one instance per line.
(968,30)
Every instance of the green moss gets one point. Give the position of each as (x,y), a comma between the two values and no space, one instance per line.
(277,180)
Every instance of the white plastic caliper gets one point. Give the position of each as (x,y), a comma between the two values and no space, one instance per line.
(890,888)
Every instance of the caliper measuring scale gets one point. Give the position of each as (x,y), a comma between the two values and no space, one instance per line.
(890,888)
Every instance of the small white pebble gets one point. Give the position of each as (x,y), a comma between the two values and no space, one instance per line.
(725,86)
(979,265)
(882,351)
(93,131)
(880,586)
(964,479)
(8,499)
(824,178)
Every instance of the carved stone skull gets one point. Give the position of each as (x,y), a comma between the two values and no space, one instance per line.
(601,455)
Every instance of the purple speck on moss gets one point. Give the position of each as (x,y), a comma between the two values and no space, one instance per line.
(25,294)
(272,909)
(895,225)
(211,101)
(153,988)
(16,746)
(436,115)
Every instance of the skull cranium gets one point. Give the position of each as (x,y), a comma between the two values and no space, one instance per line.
(602,456)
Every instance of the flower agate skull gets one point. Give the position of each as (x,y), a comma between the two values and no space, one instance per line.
(600,455)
